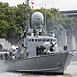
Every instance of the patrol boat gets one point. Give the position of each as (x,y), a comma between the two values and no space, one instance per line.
(37,51)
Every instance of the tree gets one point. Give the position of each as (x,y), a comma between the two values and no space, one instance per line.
(13,20)
(4,26)
(56,21)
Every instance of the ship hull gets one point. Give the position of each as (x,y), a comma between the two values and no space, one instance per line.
(53,63)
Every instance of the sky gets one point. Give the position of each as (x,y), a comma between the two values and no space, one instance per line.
(62,5)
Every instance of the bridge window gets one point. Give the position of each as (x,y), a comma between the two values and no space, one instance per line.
(43,40)
(47,40)
(51,39)
(39,39)
(32,39)
(54,40)
(29,39)
(35,39)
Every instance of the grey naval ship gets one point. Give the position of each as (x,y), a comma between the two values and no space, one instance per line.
(37,51)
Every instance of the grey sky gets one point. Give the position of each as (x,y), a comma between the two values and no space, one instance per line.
(59,4)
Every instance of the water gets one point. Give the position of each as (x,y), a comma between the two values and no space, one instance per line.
(71,71)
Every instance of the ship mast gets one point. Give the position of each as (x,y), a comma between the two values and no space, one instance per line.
(45,17)
(27,13)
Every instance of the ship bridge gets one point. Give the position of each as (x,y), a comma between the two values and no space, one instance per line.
(32,42)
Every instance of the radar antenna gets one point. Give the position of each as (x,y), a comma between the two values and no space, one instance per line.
(27,13)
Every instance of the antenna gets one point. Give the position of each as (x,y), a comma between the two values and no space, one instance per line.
(53,17)
(45,17)
(53,3)
(27,10)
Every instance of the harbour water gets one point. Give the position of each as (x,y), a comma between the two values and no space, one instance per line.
(71,71)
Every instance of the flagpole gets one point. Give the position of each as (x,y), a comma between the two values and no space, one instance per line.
(32,3)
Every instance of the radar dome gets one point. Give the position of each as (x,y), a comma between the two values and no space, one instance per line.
(37,18)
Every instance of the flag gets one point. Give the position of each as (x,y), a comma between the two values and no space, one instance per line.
(32,2)
(32,7)
(23,3)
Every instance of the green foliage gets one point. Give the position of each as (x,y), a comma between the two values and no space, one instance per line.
(56,21)
(13,20)
(4,26)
